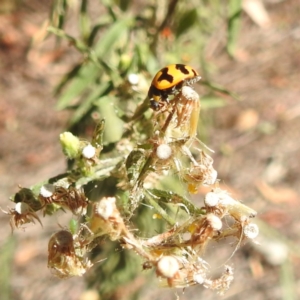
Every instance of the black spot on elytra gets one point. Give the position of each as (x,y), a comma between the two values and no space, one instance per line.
(182,68)
(165,76)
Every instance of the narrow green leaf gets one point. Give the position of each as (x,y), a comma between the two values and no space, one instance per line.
(70,75)
(58,13)
(97,140)
(88,103)
(288,281)
(89,72)
(134,164)
(84,20)
(234,25)
(112,36)
(171,197)
(113,125)
(76,42)
(95,30)
(219,88)
(187,20)
(6,260)
(124,4)
(83,79)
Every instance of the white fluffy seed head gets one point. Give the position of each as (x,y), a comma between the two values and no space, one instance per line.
(211,199)
(133,79)
(47,190)
(167,266)
(163,151)
(214,221)
(189,93)
(89,151)
(105,208)
(251,231)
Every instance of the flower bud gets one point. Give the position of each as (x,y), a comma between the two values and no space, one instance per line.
(70,144)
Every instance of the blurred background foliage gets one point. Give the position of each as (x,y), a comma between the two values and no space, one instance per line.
(114,39)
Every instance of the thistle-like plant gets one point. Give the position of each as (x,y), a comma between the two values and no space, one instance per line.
(111,189)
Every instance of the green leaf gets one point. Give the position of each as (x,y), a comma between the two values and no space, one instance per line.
(84,21)
(88,73)
(76,42)
(124,4)
(134,164)
(7,253)
(97,140)
(88,103)
(58,13)
(221,89)
(113,125)
(84,77)
(95,30)
(234,25)
(171,197)
(187,20)
(112,36)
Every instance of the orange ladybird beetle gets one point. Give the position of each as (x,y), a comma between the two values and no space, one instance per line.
(168,81)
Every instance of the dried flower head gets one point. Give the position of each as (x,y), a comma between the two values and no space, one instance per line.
(221,284)
(21,214)
(188,110)
(68,198)
(63,256)
(182,116)
(203,229)
(106,218)
(201,172)
(191,272)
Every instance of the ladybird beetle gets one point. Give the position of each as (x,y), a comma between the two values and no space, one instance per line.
(168,81)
